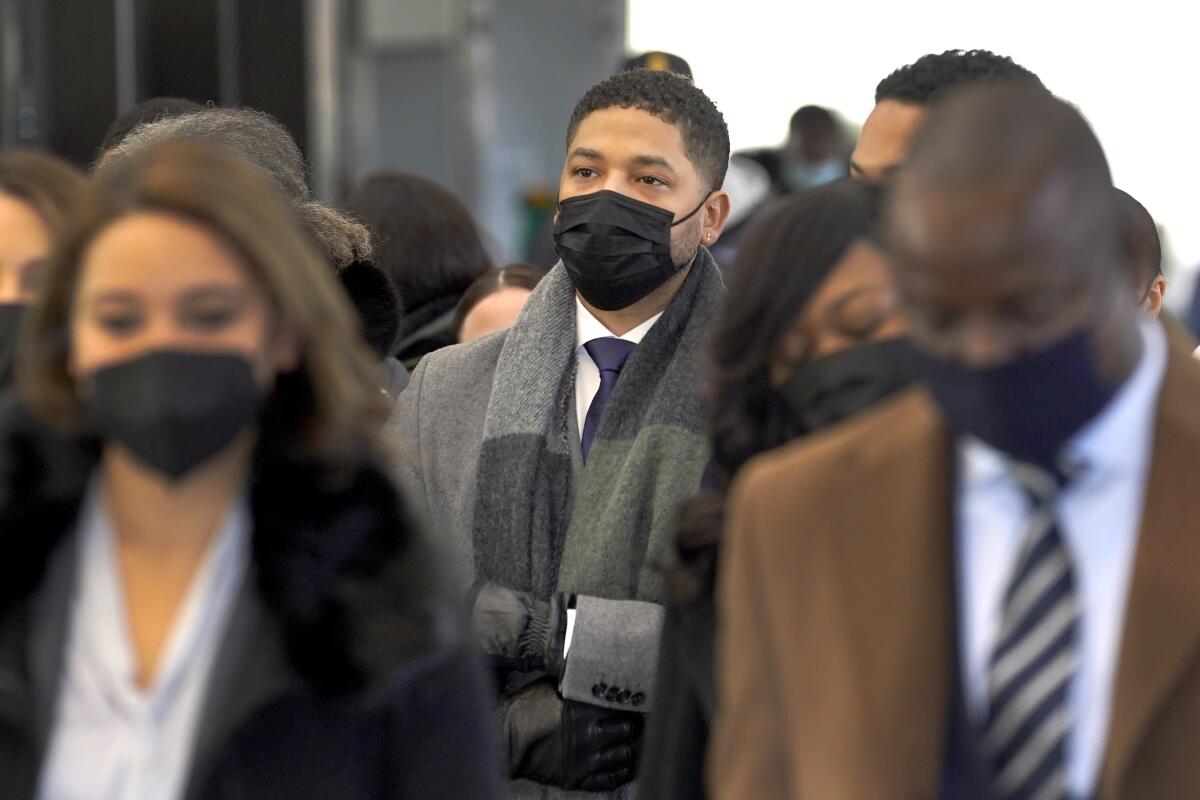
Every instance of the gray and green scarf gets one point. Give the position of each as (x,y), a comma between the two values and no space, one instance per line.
(538,527)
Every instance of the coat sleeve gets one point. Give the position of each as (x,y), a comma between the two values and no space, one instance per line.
(405,428)
(747,757)
(444,733)
(614,654)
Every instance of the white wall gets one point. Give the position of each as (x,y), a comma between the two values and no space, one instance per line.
(1132,68)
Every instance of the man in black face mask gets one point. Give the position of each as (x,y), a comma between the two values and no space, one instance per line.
(992,593)
(556,455)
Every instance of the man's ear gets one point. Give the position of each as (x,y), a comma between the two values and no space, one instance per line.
(1154,298)
(715,214)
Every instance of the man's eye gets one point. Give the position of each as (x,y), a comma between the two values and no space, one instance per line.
(584,172)
(650,180)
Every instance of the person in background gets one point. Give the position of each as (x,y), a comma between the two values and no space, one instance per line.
(815,152)
(556,455)
(37,193)
(810,335)
(657,60)
(428,244)
(1142,252)
(150,110)
(984,589)
(209,585)
(494,301)
(344,242)
(904,98)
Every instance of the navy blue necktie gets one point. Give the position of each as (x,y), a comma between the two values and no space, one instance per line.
(609,355)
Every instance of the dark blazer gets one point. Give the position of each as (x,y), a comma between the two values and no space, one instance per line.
(836,656)
(677,732)
(341,674)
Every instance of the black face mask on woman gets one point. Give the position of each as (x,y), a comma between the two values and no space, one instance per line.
(830,389)
(11,317)
(616,249)
(173,409)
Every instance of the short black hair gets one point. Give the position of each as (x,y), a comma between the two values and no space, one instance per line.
(151,110)
(930,77)
(674,99)
(807,116)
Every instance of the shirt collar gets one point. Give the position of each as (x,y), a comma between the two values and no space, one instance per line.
(1117,440)
(587,327)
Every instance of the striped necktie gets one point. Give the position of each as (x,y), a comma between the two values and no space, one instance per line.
(1035,657)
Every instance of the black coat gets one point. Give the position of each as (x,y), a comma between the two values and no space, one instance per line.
(341,675)
(673,756)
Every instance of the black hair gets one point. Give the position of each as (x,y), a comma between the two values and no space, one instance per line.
(929,77)
(518,275)
(787,254)
(674,99)
(151,110)
(808,116)
(425,240)
(1141,249)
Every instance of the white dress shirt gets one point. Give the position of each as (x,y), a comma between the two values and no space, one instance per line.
(1099,516)
(587,374)
(112,739)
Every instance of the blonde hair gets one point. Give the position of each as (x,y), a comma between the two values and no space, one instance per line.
(332,403)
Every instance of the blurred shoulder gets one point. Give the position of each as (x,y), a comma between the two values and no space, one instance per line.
(805,476)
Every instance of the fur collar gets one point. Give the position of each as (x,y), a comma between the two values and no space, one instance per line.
(337,558)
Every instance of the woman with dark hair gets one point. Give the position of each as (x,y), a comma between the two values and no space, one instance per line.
(209,584)
(428,244)
(810,335)
(494,301)
(37,192)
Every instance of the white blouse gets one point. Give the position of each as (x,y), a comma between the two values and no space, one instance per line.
(111,739)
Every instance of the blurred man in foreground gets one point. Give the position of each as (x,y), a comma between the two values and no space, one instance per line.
(992,591)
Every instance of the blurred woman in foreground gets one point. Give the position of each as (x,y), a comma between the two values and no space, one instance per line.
(209,586)
(809,336)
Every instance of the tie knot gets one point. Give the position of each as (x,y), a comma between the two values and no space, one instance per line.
(1044,485)
(609,353)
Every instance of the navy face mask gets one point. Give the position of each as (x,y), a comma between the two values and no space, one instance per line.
(1027,408)
(616,249)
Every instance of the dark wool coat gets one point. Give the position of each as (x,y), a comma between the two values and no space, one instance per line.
(341,674)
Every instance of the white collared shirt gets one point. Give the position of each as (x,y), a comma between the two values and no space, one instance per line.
(587,374)
(113,740)
(1099,516)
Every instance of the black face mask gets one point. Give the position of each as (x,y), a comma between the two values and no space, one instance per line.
(616,249)
(830,389)
(1027,408)
(174,409)
(11,316)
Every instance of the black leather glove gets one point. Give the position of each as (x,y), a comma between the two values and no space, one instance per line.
(567,744)
(518,630)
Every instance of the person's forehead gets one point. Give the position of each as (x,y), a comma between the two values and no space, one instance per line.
(887,133)
(623,133)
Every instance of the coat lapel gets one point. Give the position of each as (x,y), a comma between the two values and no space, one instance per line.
(1162,624)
